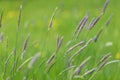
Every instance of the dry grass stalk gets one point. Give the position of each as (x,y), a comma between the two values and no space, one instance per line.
(33,60)
(97,35)
(74,46)
(79,68)
(51,20)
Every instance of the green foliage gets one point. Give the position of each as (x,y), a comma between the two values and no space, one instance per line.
(33,52)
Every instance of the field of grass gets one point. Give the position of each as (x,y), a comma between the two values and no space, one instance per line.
(25,31)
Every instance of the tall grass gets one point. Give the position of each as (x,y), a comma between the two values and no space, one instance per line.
(64,63)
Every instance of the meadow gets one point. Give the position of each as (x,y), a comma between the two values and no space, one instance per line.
(59,40)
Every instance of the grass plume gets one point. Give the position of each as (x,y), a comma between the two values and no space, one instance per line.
(52,18)
(74,46)
(33,60)
(105,6)
(24,47)
(79,68)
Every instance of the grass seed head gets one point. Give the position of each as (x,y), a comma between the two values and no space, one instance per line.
(79,68)
(105,6)
(94,21)
(74,46)
(97,35)
(52,18)
(25,46)
(50,59)
(33,60)
(109,19)
(81,26)
(104,59)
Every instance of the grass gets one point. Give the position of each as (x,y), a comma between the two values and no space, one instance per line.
(35,19)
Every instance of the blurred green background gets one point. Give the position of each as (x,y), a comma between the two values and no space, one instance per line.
(35,18)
